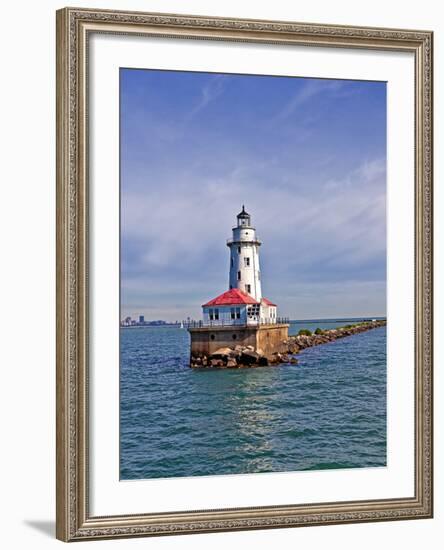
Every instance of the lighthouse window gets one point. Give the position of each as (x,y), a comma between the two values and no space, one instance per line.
(238,275)
(238,249)
(248,288)
(232,262)
(246,261)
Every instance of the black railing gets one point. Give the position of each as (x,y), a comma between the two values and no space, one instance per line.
(236,322)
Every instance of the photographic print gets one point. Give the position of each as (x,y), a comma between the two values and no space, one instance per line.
(253,274)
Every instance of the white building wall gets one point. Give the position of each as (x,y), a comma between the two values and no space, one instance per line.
(221,315)
(268,314)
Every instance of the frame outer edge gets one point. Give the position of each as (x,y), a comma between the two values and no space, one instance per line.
(62,289)
(428,245)
(72,522)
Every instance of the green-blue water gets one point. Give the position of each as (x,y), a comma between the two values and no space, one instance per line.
(328,411)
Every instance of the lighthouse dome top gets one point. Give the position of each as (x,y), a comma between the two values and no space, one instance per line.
(243,214)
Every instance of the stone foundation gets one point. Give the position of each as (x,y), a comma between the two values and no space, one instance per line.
(206,340)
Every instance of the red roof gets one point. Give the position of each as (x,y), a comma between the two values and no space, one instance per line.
(267,302)
(231,297)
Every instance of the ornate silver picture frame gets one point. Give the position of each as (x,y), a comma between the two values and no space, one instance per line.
(74,210)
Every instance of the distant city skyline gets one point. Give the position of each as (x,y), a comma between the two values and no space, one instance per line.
(307,157)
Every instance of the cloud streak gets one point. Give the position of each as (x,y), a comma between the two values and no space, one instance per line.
(305,93)
(210,92)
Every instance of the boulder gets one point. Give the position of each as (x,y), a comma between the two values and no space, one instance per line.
(249,357)
(231,363)
(221,352)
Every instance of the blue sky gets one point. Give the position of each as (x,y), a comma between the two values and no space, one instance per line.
(306,156)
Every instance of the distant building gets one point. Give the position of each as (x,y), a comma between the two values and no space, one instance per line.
(141,319)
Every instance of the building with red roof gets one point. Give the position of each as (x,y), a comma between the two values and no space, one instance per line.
(231,297)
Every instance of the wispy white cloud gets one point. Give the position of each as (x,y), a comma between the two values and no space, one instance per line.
(210,92)
(310,89)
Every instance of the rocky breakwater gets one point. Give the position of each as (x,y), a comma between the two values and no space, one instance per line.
(247,356)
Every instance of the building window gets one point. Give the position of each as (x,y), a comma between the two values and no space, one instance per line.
(238,275)
(234,336)
(216,314)
(253,311)
(246,261)
(238,249)
(235,312)
(248,288)
(212,337)
(210,313)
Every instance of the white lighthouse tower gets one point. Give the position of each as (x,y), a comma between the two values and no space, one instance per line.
(244,246)
(242,303)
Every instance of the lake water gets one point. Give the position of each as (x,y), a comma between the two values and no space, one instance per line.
(328,411)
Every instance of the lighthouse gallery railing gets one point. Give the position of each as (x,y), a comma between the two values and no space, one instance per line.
(236,323)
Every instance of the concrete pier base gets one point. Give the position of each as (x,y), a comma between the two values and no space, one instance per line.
(267,338)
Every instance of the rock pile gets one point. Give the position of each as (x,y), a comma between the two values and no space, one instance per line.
(239,356)
(296,343)
(247,356)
